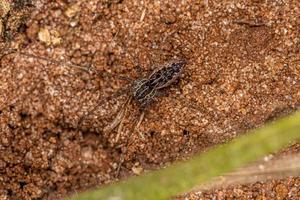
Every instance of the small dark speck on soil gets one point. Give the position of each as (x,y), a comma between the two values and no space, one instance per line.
(185,132)
(11,108)
(24,115)
(152,133)
(22,184)
(11,126)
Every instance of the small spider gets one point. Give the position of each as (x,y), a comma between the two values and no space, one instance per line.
(144,91)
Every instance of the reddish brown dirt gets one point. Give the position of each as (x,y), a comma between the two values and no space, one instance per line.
(243,71)
(273,189)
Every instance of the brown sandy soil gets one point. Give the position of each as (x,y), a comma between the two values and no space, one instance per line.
(243,71)
(273,189)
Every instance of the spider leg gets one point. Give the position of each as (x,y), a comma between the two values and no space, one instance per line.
(136,128)
(119,118)
(148,100)
(86,69)
(127,143)
(119,165)
(68,64)
(118,93)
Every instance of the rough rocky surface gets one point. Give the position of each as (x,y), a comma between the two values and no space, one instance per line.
(242,72)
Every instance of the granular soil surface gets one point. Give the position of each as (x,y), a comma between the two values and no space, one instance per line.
(243,71)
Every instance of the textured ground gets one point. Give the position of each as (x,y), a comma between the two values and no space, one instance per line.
(243,71)
(273,189)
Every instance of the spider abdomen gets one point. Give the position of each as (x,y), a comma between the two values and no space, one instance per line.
(144,90)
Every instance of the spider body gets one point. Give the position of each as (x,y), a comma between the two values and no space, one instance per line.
(144,90)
